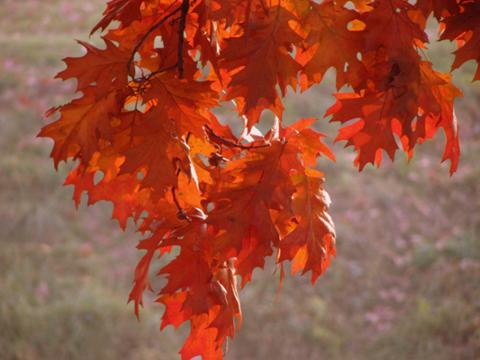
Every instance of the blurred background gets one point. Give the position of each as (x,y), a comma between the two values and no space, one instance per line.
(405,285)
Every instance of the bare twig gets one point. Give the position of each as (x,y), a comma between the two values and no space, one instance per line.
(179,170)
(181,214)
(229,143)
(153,73)
(181,37)
(150,31)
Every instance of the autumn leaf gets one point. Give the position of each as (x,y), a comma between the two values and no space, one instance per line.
(81,124)
(125,11)
(311,244)
(188,103)
(412,108)
(465,28)
(268,36)
(155,149)
(105,67)
(241,201)
(328,28)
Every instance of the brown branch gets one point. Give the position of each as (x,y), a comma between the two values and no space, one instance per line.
(150,31)
(181,37)
(181,214)
(229,143)
(179,170)
(153,73)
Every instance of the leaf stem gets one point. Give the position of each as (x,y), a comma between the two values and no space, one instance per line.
(151,30)
(181,37)
(229,143)
(181,214)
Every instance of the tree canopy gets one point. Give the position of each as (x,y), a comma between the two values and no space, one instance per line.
(214,204)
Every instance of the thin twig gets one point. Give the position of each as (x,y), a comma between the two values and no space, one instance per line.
(145,36)
(229,143)
(181,37)
(179,170)
(181,214)
(153,73)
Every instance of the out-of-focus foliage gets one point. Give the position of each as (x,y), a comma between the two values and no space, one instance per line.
(405,287)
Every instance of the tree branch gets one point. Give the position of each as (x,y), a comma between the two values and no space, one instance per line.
(181,214)
(229,143)
(150,31)
(181,37)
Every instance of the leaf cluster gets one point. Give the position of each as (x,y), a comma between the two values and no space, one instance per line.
(225,203)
